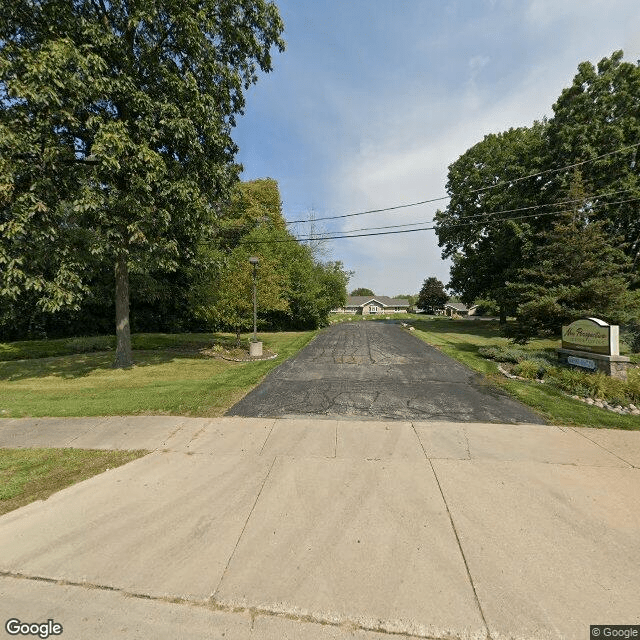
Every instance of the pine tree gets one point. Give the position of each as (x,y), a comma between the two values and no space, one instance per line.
(578,270)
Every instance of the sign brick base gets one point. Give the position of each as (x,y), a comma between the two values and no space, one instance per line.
(614,366)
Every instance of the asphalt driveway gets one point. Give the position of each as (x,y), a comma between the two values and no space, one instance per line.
(378,370)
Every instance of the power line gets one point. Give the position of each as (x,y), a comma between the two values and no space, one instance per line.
(492,213)
(362,213)
(479,190)
(453,226)
(570,166)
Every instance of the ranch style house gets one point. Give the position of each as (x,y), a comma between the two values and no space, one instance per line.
(365,305)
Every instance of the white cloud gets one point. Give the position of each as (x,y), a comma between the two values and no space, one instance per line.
(401,149)
(410,164)
(363,132)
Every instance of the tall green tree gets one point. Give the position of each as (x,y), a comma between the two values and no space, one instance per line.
(479,230)
(253,225)
(115,132)
(229,302)
(599,114)
(575,269)
(432,295)
(295,290)
(362,291)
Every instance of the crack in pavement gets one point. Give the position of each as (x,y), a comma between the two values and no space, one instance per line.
(376,370)
(330,620)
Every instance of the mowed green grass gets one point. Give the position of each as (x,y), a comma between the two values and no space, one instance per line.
(35,474)
(169,377)
(461,340)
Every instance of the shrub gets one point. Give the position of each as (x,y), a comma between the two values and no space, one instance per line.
(88,344)
(633,385)
(533,367)
(527,369)
(571,381)
(502,354)
(602,386)
(598,385)
(631,335)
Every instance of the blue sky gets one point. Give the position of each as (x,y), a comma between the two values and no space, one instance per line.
(373,99)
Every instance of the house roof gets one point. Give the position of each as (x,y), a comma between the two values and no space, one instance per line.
(384,301)
(458,306)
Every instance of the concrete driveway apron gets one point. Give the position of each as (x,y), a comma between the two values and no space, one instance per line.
(378,370)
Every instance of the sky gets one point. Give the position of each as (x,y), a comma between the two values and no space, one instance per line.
(372,100)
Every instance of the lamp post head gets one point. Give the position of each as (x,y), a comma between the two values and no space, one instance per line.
(253,260)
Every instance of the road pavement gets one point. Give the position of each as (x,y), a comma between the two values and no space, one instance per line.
(242,528)
(378,370)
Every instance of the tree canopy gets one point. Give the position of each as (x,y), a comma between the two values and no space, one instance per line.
(479,230)
(599,114)
(294,289)
(432,295)
(115,133)
(509,191)
(576,270)
(362,291)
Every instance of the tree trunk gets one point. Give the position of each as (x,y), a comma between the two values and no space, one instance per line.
(503,315)
(124,357)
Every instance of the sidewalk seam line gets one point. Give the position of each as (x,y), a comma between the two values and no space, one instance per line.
(100,421)
(213,605)
(264,444)
(575,430)
(455,533)
(246,522)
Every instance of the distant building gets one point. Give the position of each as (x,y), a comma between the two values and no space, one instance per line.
(459,309)
(366,305)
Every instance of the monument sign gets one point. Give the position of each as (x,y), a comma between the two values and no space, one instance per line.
(592,335)
(591,343)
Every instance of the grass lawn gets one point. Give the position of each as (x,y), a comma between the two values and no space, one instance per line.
(35,474)
(170,376)
(461,340)
(351,317)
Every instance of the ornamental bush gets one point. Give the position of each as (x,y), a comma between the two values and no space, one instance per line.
(503,354)
(533,367)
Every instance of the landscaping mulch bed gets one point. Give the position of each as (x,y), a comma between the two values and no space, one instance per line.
(237,354)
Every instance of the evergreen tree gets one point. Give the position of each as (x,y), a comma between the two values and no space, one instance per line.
(600,113)
(578,270)
(432,296)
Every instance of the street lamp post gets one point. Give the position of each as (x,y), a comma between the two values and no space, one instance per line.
(255,347)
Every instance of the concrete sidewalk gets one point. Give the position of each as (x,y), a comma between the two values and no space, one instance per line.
(269,528)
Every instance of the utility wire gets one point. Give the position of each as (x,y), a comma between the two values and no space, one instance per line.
(452,226)
(479,190)
(492,213)
(487,214)
(362,213)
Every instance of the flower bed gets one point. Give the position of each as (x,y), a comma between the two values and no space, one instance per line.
(596,389)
